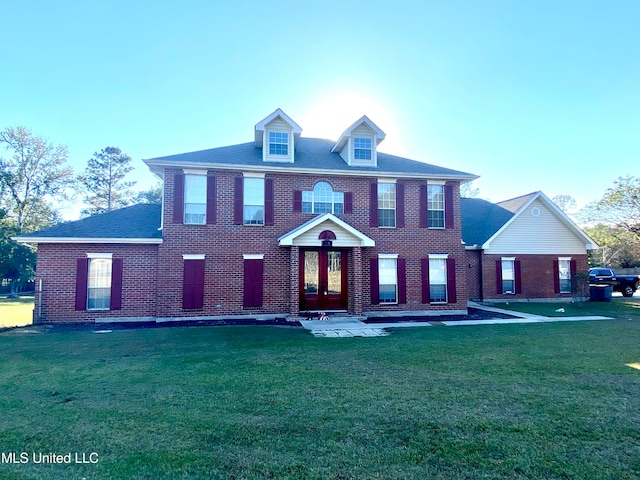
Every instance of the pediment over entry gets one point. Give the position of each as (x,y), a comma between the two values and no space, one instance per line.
(308,234)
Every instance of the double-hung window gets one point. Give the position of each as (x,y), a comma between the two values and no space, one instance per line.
(508,276)
(195,199)
(253,209)
(435,206)
(437,280)
(564,274)
(388,279)
(362,148)
(386,204)
(278,143)
(99,284)
(322,200)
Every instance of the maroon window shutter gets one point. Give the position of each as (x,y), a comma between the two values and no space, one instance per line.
(268,201)
(573,269)
(373,205)
(426,291)
(297,200)
(238,201)
(253,282)
(211,199)
(448,206)
(348,202)
(178,198)
(400,205)
(424,219)
(518,276)
(116,284)
(375,282)
(402,280)
(556,276)
(193,284)
(451,280)
(82,272)
(498,277)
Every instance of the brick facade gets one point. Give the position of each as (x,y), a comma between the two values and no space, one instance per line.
(537,276)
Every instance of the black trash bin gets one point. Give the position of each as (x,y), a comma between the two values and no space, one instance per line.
(600,293)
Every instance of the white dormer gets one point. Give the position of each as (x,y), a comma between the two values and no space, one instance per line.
(358,144)
(277,135)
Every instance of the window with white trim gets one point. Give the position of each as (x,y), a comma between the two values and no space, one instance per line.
(386,204)
(437,280)
(564,274)
(361,148)
(253,207)
(278,143)
(99,284)
(508,276)
(435,206)
(388,279)
(195,199)
(322,199)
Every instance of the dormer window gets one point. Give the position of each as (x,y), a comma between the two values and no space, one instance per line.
(362,148)
(278,143)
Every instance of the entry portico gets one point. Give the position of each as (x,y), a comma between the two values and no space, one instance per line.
(325,265)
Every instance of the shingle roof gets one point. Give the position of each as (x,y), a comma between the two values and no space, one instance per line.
(310,153)
(515,204)
(481,219)
(140,221)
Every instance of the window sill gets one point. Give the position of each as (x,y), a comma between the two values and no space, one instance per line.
(253,224)
(98,309)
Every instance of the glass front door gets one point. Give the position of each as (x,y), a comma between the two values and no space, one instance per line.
(323,279)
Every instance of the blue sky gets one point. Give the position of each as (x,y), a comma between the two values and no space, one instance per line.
(540,95)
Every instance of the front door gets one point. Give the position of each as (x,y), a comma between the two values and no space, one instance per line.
(323,279)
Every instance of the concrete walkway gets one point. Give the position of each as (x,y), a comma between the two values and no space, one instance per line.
(354,326)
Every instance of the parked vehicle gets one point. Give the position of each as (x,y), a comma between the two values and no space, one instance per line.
(625,284)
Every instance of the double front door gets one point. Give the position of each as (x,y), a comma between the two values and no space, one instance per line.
(323,279)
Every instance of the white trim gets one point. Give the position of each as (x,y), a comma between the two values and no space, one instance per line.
(193,171)
(430,177)
(287,239)
(86,240)
(567,259)
(388,256)
(438,256)
(508,259)
(388,180)
(254,174)
(251,256)
(437,182)
(100,255)
(193,256)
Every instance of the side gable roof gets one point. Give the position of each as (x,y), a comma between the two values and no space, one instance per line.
(136,224)
(312,155)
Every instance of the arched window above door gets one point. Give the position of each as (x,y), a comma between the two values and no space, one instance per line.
(322,199)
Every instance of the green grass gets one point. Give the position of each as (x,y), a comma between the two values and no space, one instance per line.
(544,401)
(16,312)
(619,307)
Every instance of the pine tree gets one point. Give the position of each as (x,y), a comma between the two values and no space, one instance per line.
(103,181)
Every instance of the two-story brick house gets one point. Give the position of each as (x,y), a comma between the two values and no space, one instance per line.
(274,227)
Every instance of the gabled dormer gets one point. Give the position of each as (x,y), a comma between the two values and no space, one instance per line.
(358,144)
(277,135)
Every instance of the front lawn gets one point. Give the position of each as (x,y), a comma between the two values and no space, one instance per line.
(16,312)
(500,402)
(619,307)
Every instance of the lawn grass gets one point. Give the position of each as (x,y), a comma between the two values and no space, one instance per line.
(620,307)
(16,312)
(540,401)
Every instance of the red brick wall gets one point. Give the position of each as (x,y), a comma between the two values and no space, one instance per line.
(56,267)
(224,244)
(536,273)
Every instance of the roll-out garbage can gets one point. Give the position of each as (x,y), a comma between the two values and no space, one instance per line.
(600,293)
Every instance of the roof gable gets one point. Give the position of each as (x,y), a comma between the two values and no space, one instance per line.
(308,234)
(262,125)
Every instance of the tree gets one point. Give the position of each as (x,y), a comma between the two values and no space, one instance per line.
(33,174)
(468,191)
(153,195)
(566,203)
(103,181)
(620,205)
(618,247)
